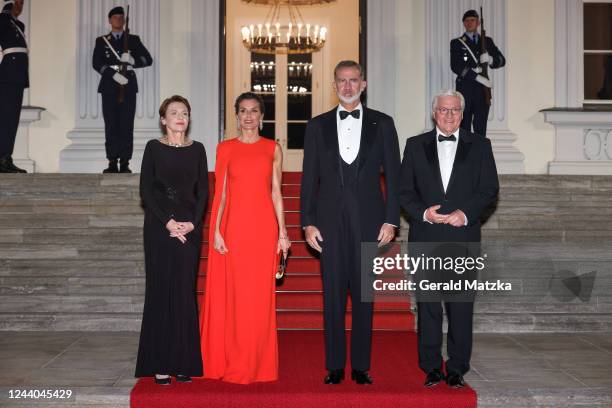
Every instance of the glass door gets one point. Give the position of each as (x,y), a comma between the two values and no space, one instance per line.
(289,90)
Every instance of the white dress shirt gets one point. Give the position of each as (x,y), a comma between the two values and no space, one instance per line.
(349,134)
(446,156)
(447,151)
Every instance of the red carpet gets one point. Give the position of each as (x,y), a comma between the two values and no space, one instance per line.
(397,381)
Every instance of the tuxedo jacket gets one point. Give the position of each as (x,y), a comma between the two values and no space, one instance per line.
(104,59)
(14,67)
(322,181)
(472,187)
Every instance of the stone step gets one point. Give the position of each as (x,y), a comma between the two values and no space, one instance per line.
(69,221)
(52,209)
(89,251)
(73,285)
(86,234)
(84,321)
(61,304)
(13,221)
(73,235)
(71,267)
(483,322)
(542,322)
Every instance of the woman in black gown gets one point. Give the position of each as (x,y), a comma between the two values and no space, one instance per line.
(174,189)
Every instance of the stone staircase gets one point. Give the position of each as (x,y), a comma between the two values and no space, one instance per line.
(71,252)
(71,255)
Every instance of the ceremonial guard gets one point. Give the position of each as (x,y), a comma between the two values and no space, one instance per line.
(13,80)
(471,56)
(115,57)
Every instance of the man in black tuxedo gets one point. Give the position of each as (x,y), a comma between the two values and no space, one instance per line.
(108,57)
(447,179)
(13,80)
(342,205)
(467,60)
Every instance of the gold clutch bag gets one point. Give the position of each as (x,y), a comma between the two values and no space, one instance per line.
(281,267)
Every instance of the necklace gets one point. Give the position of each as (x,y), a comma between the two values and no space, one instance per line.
(167,141)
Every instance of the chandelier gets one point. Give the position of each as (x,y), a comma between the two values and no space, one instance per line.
(270,37)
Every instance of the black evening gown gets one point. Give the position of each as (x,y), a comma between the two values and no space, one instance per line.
(173,185)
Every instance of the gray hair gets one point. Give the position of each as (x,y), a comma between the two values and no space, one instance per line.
(448,92)
(349,64)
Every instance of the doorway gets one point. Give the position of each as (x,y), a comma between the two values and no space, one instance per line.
(294,87)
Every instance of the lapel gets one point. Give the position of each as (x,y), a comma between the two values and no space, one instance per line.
(368,135)
(330,136)
(431,151)
(463,148)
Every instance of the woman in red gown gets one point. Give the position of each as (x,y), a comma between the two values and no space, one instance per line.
(238,321)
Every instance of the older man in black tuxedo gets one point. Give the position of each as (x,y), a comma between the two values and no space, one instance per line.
(447,179)
(342,205)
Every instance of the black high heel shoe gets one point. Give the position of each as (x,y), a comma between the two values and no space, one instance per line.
(183,378)
(163,381)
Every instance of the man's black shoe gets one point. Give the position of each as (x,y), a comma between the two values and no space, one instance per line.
(124,166)
(7,166)
(455,380)
(112,167)
(334,376)
(361,377)
(433,378)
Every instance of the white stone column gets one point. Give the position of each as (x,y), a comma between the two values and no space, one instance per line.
(381,68)
(29,114)
(86,153)
(205,79)
(444,22)
(569,68)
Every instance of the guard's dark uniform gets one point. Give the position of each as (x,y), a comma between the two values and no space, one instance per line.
(476,109)
(118,117)
(13,80)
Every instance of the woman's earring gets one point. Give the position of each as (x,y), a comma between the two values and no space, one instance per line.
(237,123)
(261,125)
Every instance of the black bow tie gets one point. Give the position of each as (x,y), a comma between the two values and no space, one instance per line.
(345,114)
(451,138)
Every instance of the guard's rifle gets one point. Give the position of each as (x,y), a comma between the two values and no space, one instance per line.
(126,48)
(484,66)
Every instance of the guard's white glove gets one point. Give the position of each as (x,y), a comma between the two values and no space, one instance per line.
(127,58)
(486,58)
(120,79)
(477,70)
(485,81)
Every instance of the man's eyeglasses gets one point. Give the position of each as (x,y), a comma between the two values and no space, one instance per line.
(452,111)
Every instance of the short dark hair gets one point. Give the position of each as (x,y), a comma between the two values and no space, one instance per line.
(249,96)
(164,107)
(349,64)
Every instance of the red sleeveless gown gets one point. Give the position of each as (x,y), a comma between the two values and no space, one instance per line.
(238,320)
